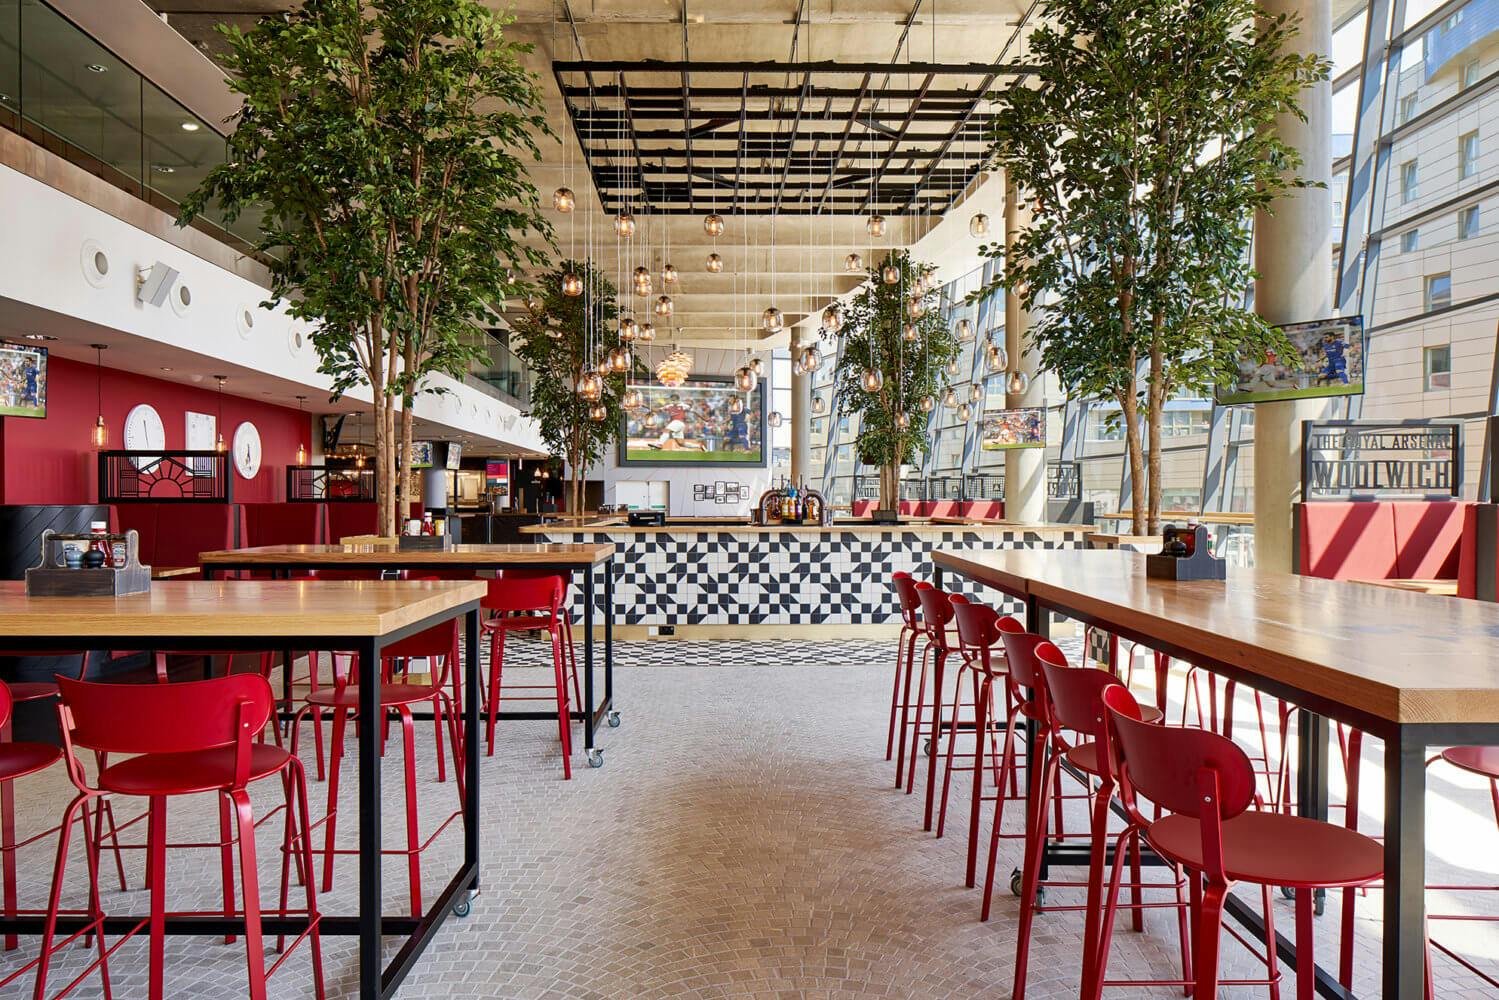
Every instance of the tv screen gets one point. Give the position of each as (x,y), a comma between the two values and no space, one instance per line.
(696,423)
(455,455)
(1327,360)
(23,380)
(421,454)
(1022,427)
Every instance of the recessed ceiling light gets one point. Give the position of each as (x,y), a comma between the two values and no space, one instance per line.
(37,336)
(165,368)
(161,168)
(190,126)
(97,68)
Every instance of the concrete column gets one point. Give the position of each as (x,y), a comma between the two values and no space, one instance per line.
(1025,468)
(801,422)
(435,487)
(1293,254)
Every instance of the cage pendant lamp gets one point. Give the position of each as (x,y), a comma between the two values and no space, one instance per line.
(99,435)
(221,444)
(673,370)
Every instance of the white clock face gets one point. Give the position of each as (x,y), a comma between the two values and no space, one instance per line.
(247,450)
(144,432)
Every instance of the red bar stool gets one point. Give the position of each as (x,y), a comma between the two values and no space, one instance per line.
(937,627)
(397,697)
(188,738)
(933,632)
(1276,776)
(905,656)
(1206,783)
(979,628)
(569,649)
(1072,701)
(527,605)
(1483,762)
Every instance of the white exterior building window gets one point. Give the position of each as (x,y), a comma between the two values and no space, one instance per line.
(1467,154)
(1437,362)
(1409,179)
(1438,291)
(1467,222)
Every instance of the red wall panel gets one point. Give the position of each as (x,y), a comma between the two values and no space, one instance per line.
(51,461)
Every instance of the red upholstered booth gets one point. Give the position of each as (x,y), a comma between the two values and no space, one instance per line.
(992,510)
(284,524)
(172,534)
(347,518)
(1380,540)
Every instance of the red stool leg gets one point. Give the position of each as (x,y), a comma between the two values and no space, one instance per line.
(54,899)
(413,836)
(314,936)
(1209,934)
(335,762)
(156,838)
(8,846)
(1006,768)
(900,645)
(496,664)
(1035,843)
(916,722)
(226,858)
(250,884)
(982,721)
(905,706)
(938,662)
(564,722)
(1355,747)
(952,740)
(1306,963)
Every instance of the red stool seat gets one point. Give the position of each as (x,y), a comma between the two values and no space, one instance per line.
(391,695)
(32,691)
(1275,848)
(1479,760)
(520,623)
(20,759)
(1084,757)
(188,773)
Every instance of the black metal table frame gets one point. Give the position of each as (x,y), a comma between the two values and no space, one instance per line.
(370,924)
(589,714)
(1404,940)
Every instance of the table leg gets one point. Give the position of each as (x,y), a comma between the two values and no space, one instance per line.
(287,660)
(471,743)
(609,635)
(1037,622)
(588,665)
(1405,866)
(371,967)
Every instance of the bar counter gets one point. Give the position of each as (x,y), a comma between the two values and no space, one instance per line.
(715,576)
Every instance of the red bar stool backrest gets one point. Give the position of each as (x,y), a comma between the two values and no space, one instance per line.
(980,626)
(1175,768)
(1020,657)
(165,718)
(1075,693)
(7,704)
(936,614)
(910,604)
(511,593)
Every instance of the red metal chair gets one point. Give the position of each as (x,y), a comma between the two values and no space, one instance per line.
(397,697)
(526,605)
(905,656)
(1206,783)
(569,649)
(188,738)
(1483,762)
(979,628)
(937,627)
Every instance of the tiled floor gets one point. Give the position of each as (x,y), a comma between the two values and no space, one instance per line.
(743,839)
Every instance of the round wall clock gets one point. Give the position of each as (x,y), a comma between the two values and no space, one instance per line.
(144,432)
(247,450)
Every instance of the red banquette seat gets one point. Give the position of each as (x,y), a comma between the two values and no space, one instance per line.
(1380,540)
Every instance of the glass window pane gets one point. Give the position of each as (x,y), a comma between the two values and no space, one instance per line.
(1438,291)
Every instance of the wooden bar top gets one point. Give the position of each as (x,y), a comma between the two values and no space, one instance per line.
(387,554)
(690,526)
(240,608)
(1396,655)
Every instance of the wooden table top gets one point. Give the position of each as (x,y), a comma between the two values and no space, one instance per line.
(1438,588)
(1104,540)
(240,608)
(387,554)
(1392,654)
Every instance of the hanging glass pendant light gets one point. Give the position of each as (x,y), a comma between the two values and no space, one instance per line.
(628,329)
(99,436)
(713,224)
(909,334)
(999,358)
(757,366)
(876,225)
(978,225)
(832,318)
(811,358)
(563,200)
(819,405)
(663,306)
(590,385)
(890,274)
(535,305)
(652,421)
(976,392)
(624,225)
(632,400)
(927,404)
(714,264)
(965,332)
(641,279)
(745,379)
(736,405)
(647,333)
(902,421)
(668,275)
(673,369)
(572,284)
(916,308)
(598,413)
(950,398)
(952,368)
(604,367)
(774,419)
(853,262)
(873,380)
(772,321)
(1019,383)
(619,360)
(964,412)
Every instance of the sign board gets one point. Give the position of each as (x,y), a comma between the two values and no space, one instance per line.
(1368,460)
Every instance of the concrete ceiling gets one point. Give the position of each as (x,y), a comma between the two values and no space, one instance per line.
(803,271)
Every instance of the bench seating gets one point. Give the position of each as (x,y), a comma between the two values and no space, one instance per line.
(1380,540)
(172,534)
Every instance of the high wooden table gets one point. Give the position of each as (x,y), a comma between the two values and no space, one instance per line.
(267,615)
(566,559)
(1413,669)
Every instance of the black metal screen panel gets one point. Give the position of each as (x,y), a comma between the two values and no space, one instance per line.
(797,139)
(329,484)
(165,477)
(1381,459)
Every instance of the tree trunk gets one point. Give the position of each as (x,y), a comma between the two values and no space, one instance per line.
(890,488)
(408,419)
(389,481)
(1131,410)
(1155,402)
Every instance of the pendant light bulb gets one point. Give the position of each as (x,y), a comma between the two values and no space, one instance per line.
(647,333)
(853,263)
(964,412)
(832,318)
(965,332)
(902,421)
(624,225)
(774,419)
(713,224)
(563,200)
(668,275)
(757,366)
(876,225)
(819,406)
(873,380)
(927,404)
(745,379)
(909,334)
(952,368)
(978,225)
(950,398)
(1019,383)
(714,264)
(891,274)
(976,392)
(632,399)
(664,306)
(572,284)
(772,321)
(916,308)
(627,329)
(598,413)
(811,358)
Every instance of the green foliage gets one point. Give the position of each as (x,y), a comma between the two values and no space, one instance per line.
(382,144)
(558,342)
(1145,145)
(873,324)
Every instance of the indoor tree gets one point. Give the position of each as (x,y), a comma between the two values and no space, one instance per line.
(383,144)
(1146,144)
(561,338)
(891,372)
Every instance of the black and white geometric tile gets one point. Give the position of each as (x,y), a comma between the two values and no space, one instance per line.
(794,578)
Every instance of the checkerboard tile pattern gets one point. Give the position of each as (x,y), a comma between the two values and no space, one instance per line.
(740,578)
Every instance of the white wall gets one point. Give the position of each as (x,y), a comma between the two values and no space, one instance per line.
(48,234)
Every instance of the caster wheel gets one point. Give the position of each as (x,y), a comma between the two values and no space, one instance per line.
(1016,883)
(463,907)
(613,720)
(1040,895)
(1288,893)
(595,758)
(927,748)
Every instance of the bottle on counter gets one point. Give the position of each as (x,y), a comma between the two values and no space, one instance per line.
(428,525)
(98,555)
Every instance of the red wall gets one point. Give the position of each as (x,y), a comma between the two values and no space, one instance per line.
(51,460)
